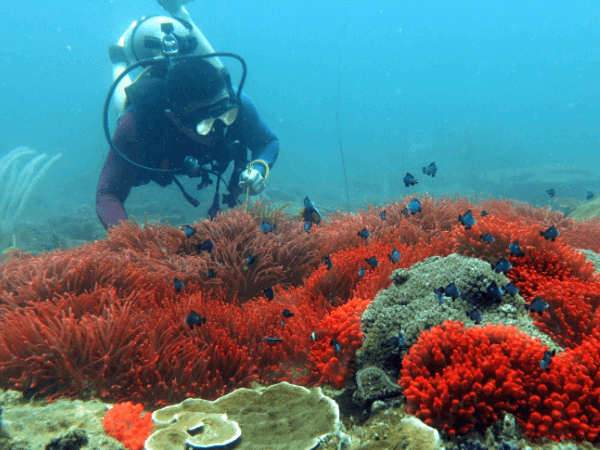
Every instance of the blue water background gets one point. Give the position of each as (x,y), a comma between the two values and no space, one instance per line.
(476,86)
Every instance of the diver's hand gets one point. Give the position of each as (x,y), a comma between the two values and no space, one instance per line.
(252,178)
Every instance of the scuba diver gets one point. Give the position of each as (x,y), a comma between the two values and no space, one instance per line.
(180,116)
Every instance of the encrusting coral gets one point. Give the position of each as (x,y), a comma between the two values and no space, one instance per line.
(279,417)
(194,430)
(107,318)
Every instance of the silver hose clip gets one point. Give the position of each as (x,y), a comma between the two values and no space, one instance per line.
(169,44)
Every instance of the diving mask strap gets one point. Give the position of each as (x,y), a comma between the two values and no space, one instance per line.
(257,161)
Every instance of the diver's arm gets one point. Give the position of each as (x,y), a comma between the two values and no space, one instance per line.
(112,191)
(262,141)
(117,178)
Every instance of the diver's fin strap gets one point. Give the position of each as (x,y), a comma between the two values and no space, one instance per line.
(195,203)
(264,163)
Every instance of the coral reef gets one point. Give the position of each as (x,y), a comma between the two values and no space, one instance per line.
(413,306)
(128,424)
(455,378)
(108,319)
(38,424)
(194,430)
(281,416)
(558,399)
(414,434)
(369,390)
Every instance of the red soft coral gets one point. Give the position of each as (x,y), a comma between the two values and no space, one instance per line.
(455,377)
(332,354)
(128,423)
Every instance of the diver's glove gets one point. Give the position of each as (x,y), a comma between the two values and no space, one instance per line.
(253,179)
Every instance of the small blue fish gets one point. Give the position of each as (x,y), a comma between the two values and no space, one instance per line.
(307,226)
(409,180)
(211,273)
(382,214)
(194,319)
(515,250)
(494,292)
(266,227)
(372,261)
(414,206)
(188,231)
(249,260)
(310,213)
(511,289)
(272,339)
(364,233)
(178,284)
(484,213)
(334,300)
(452,291)
(538,305)
(207,246)
(550,234)
(335,345)
(502,265)
(395,255)
(406,212)
(269,293)
(475,316)
(361,272)
(487,238)
(395,341)
(467,220)
(589,195)
(430,170)
(551,192)
(287,314)
(329,263)
(547,359)
(440,294)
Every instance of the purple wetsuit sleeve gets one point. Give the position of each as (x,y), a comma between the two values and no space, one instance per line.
(117,177)
(262,141)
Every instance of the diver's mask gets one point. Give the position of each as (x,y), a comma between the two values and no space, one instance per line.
(203,119)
